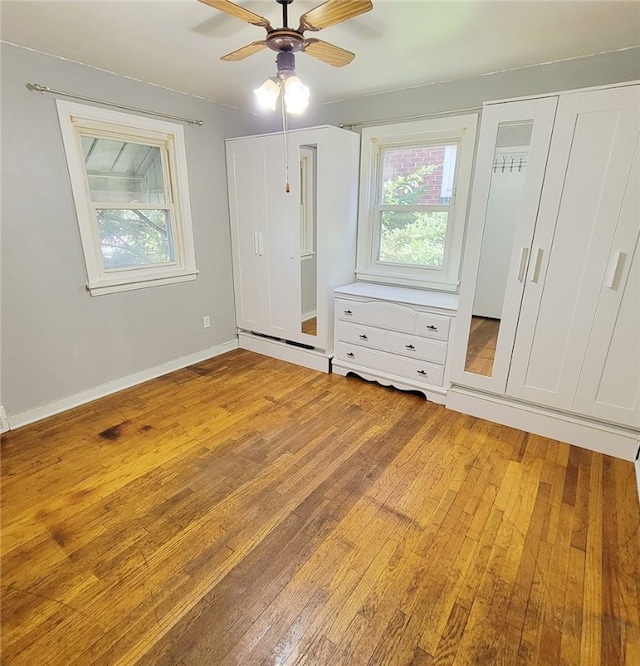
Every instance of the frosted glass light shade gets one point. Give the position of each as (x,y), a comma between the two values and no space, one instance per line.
(267,94)
(296,95)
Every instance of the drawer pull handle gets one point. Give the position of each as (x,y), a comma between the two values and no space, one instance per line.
(422,372)
(432,328)
(364,337)
(351,355)
(410,347)
(348,312)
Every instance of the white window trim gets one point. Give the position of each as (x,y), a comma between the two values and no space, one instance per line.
(453,129)
(75,116)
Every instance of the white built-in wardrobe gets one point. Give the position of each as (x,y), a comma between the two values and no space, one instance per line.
(292,244)
(555,246)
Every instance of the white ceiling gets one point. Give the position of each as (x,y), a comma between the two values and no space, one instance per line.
(399,44)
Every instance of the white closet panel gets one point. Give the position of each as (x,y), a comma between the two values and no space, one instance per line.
(243,177)
(609,386)
(279,244)
(267,225)
(589,162)
(539,115)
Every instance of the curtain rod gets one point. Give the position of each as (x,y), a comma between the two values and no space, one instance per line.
(45,89)
(453,112)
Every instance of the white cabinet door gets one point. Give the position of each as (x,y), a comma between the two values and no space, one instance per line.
(279,242)
(609,386)
(265,232)
(246,208)
(502,125)
(594,140)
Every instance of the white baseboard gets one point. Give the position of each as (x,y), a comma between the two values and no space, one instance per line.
(115,385)
(595,436)
(309,358)
(637,465)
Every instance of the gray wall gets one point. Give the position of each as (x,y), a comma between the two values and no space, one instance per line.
(452,95)
(57,340)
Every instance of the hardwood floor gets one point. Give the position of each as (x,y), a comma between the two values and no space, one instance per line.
(248,511)
(310,326)
(481,350)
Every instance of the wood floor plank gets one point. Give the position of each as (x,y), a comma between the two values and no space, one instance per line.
(248,511)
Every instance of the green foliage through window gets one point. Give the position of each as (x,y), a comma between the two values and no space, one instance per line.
(413,238)
(406,190)
(134,237)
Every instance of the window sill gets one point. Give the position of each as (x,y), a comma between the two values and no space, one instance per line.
(404,280)
(113,286)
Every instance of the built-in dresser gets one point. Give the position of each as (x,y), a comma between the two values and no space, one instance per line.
(395,335)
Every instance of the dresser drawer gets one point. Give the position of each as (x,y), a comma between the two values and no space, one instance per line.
(432,326)
(392,316)
(416,347)
(348,310)
(361,335)
(416,371)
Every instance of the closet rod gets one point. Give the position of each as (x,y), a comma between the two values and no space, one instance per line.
(45,89)
(435,114)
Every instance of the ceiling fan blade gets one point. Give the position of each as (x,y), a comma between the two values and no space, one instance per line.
(245,51)
(332,55)
(332,12)
(239,12)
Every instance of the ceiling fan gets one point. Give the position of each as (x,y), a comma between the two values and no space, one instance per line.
(290,40)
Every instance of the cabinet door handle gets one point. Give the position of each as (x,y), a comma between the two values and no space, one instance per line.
(432,328)
(422,372)
(615,268)
(364,337)
(255,243)
(348,312)
(351,355)
(260,248)
(537,265)
(410,347)
(524,255)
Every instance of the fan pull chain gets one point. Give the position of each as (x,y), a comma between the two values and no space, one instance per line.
(285,131)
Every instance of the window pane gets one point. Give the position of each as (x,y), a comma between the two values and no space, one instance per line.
(121,172)
(134,237)
(418,175)
(416,238)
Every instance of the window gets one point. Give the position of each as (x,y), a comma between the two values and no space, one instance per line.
(129,182)
(413,201)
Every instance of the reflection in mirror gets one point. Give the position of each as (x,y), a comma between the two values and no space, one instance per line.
(507,181)
(308,234)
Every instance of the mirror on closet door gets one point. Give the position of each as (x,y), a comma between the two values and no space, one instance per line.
(308,238)
(505,195)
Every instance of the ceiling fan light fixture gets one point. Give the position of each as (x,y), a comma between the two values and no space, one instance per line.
(267,94)
(296,95)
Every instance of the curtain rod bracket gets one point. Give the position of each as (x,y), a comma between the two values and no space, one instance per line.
(36,87)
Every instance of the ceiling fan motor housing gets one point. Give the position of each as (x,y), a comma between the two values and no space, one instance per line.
(285,39)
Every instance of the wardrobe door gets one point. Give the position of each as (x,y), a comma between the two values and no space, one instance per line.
(246,211)
(279,242)
(510,167)
(609,386)
(594,140)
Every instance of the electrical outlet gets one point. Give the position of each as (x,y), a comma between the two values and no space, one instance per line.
(206,321)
